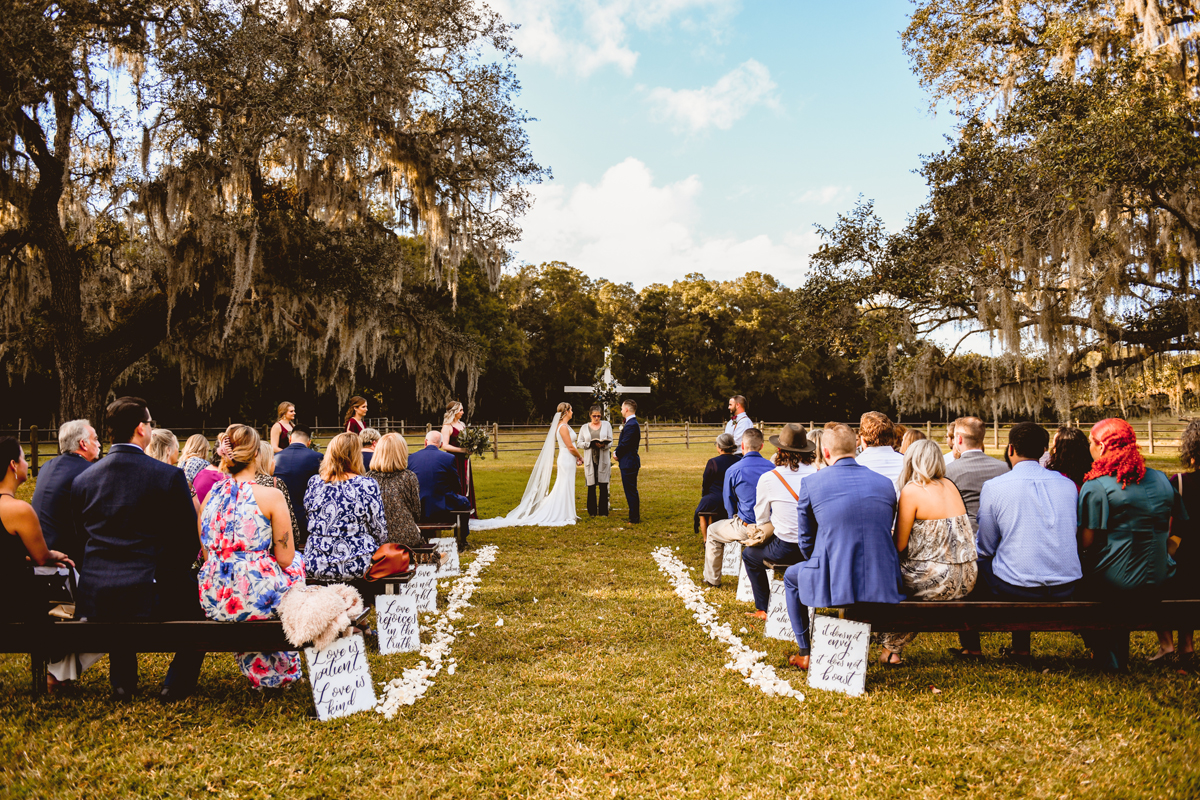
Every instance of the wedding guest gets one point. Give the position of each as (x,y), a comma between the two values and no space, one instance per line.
(140,527)
(775,502)
(250,558)
(911,435)
(295,465)
(22,596)
(452,428)
(264,475)
(844,520)
(628,460)
(437,477)
(356,414)
(875,438)
(79,448)
(712,484)
(400,493)
(1125,513)
(345,514)
(593,441)
(1070,455)
(369,438)
(195,456)
(973,467)
(950,456)
(163,447)
(739,421)
(739,492)
(898,433)
(933,537)
(814,437)
(1182,546)
(281,431)
(1026,536)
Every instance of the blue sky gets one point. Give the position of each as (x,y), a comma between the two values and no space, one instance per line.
(710,135)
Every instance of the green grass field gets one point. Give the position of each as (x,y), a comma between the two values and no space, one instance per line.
(605,687)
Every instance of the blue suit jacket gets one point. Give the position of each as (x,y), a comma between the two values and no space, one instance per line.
(627,445)
(437,477)
(846,513)
(52,502)
(294,465)
(140,525)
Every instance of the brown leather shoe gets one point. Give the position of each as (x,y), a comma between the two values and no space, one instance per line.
(761,616)
(799,662)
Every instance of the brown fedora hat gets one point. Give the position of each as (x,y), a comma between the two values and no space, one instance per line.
(793,438)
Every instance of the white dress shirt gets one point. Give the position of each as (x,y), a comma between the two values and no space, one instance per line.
(949,458)
(737,426)
(882,459)
(775,504)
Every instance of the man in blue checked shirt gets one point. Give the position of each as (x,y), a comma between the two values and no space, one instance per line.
(739,493)
(1027,526)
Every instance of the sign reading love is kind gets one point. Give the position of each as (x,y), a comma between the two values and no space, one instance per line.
(340,678)
(779,622)
(839,655)
(423,588)
(732,561)
(449,567)
(396,620)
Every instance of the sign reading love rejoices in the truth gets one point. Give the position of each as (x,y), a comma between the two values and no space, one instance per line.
(396,621)
(340,678)
(839,655)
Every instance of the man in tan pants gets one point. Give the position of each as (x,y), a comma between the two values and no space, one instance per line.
(739,493)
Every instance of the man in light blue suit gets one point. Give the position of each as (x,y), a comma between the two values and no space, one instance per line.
(845,514)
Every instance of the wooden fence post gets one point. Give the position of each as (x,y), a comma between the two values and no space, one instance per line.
(428,428)
(647,436)
(687,434)
(1149,436)
(495,440)
(996,433)
(928,429)
(33,450)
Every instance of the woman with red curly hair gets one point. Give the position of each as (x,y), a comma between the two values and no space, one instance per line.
(1125,512)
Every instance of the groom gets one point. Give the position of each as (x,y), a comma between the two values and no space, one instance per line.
(626,456)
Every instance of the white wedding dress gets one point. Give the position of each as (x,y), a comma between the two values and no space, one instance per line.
(539,505)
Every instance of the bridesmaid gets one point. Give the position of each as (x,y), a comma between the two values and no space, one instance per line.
(356,414)
(452,426)
(281,431)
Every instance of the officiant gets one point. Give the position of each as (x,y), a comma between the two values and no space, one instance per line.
(595,437)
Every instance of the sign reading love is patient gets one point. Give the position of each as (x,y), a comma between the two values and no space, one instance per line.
(839,655)
(340,678)
(449,567)
(396,621)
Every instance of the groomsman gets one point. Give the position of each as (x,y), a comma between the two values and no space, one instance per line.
(739,421)
(626,456)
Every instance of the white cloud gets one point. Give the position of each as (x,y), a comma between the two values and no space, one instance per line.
(585,35)
(625,228)
(719,105)
(825,195)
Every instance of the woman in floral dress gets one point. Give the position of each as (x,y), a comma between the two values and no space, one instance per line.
(250,559)
(346,523)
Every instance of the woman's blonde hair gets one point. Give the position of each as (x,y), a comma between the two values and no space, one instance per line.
(451,409)
(815,437)
(391,454)
(196,446)
(343,458)
(243,448)
(923,464)
(564,408)
(265,463)
(162,443)
(281,412)
(911,435)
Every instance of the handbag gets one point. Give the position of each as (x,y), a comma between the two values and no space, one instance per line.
(390,559)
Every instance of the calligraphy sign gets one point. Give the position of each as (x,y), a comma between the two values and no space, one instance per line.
(779,622)
(732,559)
(839,655)
(449,567)
(340,678)
(745,592)
(423,588)
(396,620)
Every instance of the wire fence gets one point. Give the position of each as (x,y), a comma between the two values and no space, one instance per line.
(1154,435)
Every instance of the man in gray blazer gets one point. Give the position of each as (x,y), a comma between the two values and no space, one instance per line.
(973,467)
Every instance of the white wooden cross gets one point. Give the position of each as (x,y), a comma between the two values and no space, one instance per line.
(608,380)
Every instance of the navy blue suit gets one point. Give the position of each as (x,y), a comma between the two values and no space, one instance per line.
(845,513)
(52,502)
(629,462)
(437,477)
(139,524)
(294,465)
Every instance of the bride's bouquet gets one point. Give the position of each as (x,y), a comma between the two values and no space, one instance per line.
(475,441)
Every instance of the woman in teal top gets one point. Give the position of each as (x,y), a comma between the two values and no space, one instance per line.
(1125,512)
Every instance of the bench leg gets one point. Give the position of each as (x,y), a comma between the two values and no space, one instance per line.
(37,672)
(463,520)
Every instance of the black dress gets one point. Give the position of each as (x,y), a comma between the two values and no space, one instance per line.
(22,596)
(1187,571)
(711,485)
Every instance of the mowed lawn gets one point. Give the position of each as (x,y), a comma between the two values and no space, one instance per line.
(605,687)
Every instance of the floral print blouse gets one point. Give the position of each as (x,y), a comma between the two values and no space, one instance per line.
(346,525)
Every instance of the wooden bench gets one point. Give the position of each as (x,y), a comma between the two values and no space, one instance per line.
(391,584)
(987,615)
(460,527)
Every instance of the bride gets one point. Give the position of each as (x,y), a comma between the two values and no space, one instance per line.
(539,505)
